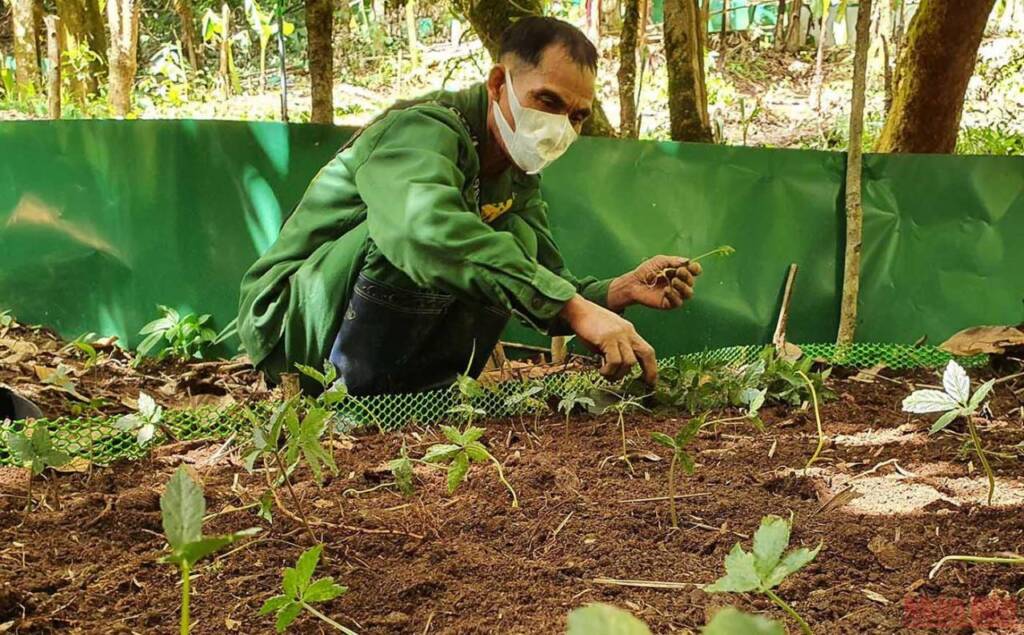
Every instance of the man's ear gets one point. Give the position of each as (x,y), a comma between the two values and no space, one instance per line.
(495,81)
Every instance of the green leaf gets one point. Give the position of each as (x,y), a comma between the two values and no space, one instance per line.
(305,566)
(980,395)
(477,452)
(195,551)
(944,421)
(401,469)
(770,542)
(690,430)
(183,507)
(663,439)
(956,382)
(604,619)
(793,562)
(290,582)
(286,615)
(20,446)
(741,574)
(730,621)
(452,434)
(440,453)
(471,434)
(686,461)
(312,373)
(275,603)
(457,471)
(323,590)
(925,401)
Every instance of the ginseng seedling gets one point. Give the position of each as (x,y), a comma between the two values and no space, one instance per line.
(182,506)
(624,405)
(954,401)
(678,445)
(36,453)
(662,276)
(765,568)
(464,448)
(300,593)
(144,423)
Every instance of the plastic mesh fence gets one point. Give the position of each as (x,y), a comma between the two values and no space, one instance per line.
(98,440)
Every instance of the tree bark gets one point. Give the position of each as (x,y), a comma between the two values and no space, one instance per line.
(779,34)
(684,54)
(627,70)
(410,33)
(53,49)
(854,211)
(794,33)
(123,16)
(320,50)
(933,72)
(97,35)
(26,55)
(73,23)
(818,82)
(225,50)
(189,37)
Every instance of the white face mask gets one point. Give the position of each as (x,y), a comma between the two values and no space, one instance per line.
(539,138)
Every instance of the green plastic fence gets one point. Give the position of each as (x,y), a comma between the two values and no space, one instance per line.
(98,440)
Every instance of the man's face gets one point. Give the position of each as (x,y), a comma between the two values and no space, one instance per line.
(557,85)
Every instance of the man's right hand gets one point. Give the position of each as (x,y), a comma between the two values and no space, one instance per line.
(613,337)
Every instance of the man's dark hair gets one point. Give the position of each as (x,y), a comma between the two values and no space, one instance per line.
(530,36)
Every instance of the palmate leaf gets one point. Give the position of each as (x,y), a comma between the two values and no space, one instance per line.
(740,574)
(477,452)
(452,434)
(304,568)
(471,434)
(457,470)
(183,507)
(275,603)
(770,542)
(793,562)
(942,422)
(956,382)
(979,396)
(730,621)
(401,469)
(441,452)
(604,619)
(323,590)
(663,439)
(286,616)
(20,446)
(925,401)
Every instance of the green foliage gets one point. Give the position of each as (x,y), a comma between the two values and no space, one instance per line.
(325,378)
(997,139)
(84,344)
(526,398)
(184,337)
(678,445)
(604,619)
(264,24)
(300,591)
(464,448)
(764,568)
(401,469)
(303,441)
(144,422)
(37,452)
(730,621)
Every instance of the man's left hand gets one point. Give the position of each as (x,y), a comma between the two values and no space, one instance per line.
(663,282)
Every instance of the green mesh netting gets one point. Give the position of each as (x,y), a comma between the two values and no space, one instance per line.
(96,438)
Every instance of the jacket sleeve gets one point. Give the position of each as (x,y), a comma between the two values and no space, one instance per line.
(424,221)
(535,213)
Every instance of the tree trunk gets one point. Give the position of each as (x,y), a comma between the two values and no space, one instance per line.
(73,23)
(225,50)
(490,18)
(936,65)
(818,82)
(795,32)
(410,33)
(53,49)
(26,55)
(189,37)
(684,55)
(97,34)
(780,20)
(627,70)
(123,16)
(320,50)
(854,211)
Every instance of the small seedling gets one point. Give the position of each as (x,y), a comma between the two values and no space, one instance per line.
(604,619)
(570,401)
(765,568)
(36,453)
(730,621)
(464,448)
(401,469)
(184,336)
(621,407)
(335,392)
(183,507)
(60,378)
(301,593)
(526,400)
(662,277)
(678,444)
(817,420)
(753,399)
(954,401)
(84,344)
(144,422)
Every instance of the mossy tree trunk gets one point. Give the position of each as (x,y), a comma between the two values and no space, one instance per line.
(627,69)
(684,54)
(490,18)
(320,49)
(123,16)
(933,71)
(26,53)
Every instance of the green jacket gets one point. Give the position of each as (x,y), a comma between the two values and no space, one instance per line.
(403,203)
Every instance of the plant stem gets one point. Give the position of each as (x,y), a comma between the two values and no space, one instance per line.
(186,597)
(672,490)
(622,429)
(978,559)
(788,609)
(295,498)
(973,430)
(327,619)
(710,253)
(567,412)
(501,477)
(817,418)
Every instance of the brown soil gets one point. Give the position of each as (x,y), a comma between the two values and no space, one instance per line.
(470,563)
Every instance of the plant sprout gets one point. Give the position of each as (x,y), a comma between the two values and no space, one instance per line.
(817,420)
(182,506)
(36,453)
(464,448)
(730,621)
(144,422)
(401,469)
(724,250)
(621,407)
(954,401)
(570,401)
(184,336)
(765,568)
(678,445)
(753,399)
(300,593)
(604,619)
(335,391)
(526,400)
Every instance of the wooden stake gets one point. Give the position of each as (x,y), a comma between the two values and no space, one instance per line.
(559,349)
(53,48)
(779,339)
(854,211)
